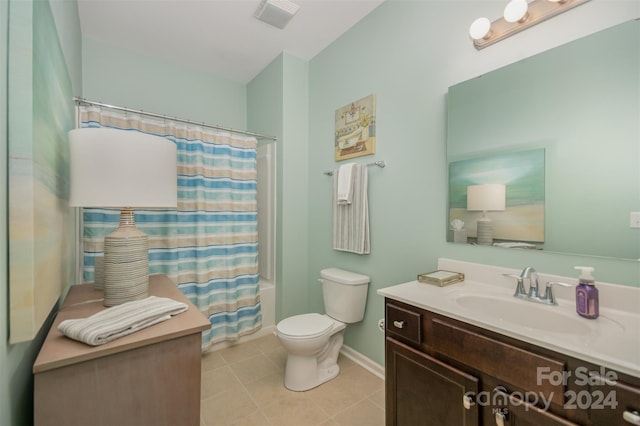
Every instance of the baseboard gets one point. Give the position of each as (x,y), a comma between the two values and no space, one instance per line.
(363,361)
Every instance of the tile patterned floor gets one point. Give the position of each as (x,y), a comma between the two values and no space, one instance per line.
(243,385)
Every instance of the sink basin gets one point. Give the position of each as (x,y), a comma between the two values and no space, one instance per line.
(524,313)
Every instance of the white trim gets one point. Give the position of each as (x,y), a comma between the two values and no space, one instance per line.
(363,361)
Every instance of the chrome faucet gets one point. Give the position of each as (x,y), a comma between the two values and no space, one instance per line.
(530,273)
(533,295)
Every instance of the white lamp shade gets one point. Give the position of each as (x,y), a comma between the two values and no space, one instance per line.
(121,168)
(488,197)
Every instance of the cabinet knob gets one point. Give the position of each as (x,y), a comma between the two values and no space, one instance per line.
(500,418)
(398,324)
(632,417)
(467,401)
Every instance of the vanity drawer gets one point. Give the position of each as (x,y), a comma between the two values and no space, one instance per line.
(505,362)
(404,323)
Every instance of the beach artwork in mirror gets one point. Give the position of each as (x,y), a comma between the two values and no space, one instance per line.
(580,103)
(518,216)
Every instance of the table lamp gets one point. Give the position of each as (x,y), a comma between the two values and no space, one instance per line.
(123,169)
(484,198)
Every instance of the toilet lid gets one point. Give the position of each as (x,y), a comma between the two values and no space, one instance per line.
(305,325)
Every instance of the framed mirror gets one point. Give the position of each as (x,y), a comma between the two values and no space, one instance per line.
(576,108)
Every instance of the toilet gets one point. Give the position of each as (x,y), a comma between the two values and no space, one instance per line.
(313,341)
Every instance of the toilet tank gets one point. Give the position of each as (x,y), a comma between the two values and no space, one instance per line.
(345,294)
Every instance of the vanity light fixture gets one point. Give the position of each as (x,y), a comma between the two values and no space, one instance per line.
(480,29)
(518,15)
(516,11)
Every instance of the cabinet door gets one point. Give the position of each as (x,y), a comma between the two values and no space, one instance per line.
(518,412)
(611,402)
(421,390)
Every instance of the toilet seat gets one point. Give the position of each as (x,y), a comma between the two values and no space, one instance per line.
(305,326)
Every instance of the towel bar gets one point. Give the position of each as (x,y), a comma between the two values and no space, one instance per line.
(380,164)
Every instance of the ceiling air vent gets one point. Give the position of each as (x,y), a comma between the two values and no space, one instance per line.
(276,12)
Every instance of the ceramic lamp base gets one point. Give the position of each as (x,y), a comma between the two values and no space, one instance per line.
(126,263)
(485,232)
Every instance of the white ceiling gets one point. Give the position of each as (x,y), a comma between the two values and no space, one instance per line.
(218,36)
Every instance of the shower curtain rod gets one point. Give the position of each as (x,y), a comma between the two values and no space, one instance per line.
(82,101)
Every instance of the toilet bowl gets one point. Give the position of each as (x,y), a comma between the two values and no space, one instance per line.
(313,341)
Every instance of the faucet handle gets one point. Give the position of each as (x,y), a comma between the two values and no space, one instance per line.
(516,276)
(519,287)
(548,292)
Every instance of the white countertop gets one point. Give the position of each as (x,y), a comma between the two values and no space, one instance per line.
(612,340)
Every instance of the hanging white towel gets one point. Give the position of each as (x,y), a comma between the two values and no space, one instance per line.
(351,221)
(344,192)
(120,320)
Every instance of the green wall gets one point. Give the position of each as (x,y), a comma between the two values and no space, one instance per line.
(295,189)
(265,115)
(278,105)
(67,20)
(130,79)
(408,53)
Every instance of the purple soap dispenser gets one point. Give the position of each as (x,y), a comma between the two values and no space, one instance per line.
(587,294)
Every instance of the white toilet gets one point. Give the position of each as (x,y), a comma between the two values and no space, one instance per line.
(313,341)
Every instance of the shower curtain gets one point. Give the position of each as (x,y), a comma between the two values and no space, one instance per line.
(209,245)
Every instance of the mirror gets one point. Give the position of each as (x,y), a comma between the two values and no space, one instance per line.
(575,106)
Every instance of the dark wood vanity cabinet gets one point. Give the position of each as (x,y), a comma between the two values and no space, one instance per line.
(441,372)
(517,412)
(627,400)
(425,391)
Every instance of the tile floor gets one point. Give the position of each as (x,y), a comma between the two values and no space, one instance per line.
(243,385)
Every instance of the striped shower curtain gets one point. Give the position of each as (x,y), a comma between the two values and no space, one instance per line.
(208,246)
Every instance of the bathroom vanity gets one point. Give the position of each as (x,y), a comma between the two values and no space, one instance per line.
(503,361)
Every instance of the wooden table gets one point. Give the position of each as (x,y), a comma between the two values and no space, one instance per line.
(150,377)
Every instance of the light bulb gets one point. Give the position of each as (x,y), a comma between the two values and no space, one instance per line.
(480,28)
(516,11)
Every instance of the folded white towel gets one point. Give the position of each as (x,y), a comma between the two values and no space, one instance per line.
(344,193)
(120,320)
